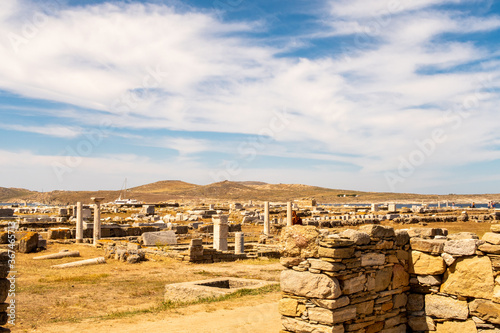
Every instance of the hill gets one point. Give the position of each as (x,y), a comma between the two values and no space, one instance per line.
(176,190)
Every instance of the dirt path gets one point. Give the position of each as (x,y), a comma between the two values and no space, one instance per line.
(255,316)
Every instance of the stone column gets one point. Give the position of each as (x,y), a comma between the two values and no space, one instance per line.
(220,232)
(288,213)
(266,218)
(374,207)
(239,243)
(79,223)
(97,219)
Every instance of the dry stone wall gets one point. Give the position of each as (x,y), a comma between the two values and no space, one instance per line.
(377,279)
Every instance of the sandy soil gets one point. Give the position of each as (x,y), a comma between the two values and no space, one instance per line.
(259,315)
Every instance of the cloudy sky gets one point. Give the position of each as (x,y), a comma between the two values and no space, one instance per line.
(374,95)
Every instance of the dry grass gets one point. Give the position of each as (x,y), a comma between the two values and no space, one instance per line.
(102,291)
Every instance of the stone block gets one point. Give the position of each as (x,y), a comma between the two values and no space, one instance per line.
(353,285)
(456,326)
(470,277)
(445,307)
(492,238)
(299,241)
(372,259)
(365,308)
(461,247)
(415,302)
(309,285)
(159,238)
(290,261)
(28,243)
(378,231)
(325,265)
(402,237)
(358,237)
(331,317)
(434,246)
(332,303)
(422,323)
(288,307)
(426,264)
(400,278)
(495,228)
(463,235)
(486,310)
(422,232)
(448,258)
(431,280)
(489,248)
(340,253)
(400,300)
(383,278)
(299,326)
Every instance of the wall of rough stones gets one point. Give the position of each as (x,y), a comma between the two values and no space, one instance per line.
(377,279)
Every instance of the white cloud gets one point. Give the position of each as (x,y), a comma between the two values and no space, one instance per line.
(152,67)
(50,130)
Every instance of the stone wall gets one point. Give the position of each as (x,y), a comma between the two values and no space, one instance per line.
(377,279)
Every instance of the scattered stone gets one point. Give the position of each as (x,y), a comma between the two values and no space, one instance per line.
(29,242)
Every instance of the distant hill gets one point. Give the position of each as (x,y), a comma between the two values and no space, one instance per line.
(176,190)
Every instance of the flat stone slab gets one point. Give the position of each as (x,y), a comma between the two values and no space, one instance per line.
(160,238)
(191,291)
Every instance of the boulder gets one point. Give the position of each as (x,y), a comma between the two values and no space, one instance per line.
(470,277)
(309,285)
(426,264)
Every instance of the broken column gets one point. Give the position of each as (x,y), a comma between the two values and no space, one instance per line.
(239,243)
(79,223)
(288,213)
(97,218)
(221,230)
(266,218)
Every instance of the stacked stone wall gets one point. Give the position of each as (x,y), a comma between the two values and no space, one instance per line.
(377,279)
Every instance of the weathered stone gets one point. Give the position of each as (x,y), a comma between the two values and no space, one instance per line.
(492,238)
(326,316)
(462,247)
(426,264)
(400,300)
(288,307)
(445,307)
(309,284)
(299,241)
(431,280)
(486,310)
(463,235)
(402,237)
(448,258)
(434,246)
(400,278)
(471,277)
(489,248)
(28,243)
(299,326)
(325,265)
(422,323)
(358,237)
(354,285)
(495,228)
(336,242)
(159,238)
(365,308)
(383,278)
(344,252)
(398,329)
(456,327)
(378,231)
(332,303)
(372,259)
(134,259)
(422,232)
(290,261)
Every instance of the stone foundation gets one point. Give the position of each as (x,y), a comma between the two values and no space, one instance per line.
(376,279)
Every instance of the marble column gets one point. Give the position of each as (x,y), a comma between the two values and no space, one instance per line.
(239,243)
(266,218)
(289,213)
(79,223)
(97,219)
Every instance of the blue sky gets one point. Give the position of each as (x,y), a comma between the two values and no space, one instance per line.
(391,95)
